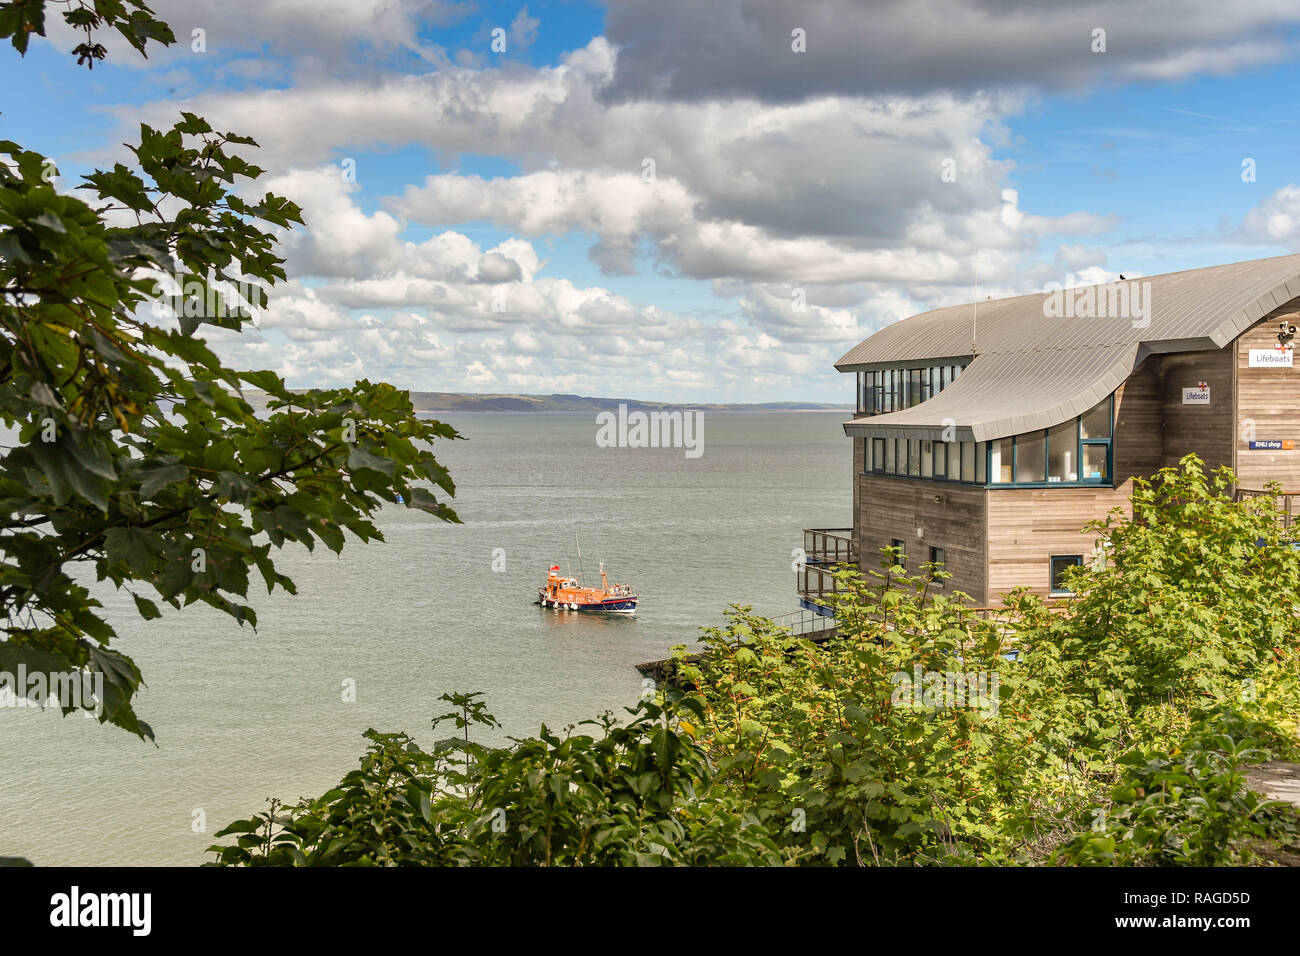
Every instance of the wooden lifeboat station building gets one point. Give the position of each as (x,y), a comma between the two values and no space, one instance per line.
(987,435)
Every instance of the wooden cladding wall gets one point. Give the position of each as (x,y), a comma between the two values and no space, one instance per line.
(1138,423)
(1204,429)
(1026,526)
(1268,407)
(859,463)
(950,516)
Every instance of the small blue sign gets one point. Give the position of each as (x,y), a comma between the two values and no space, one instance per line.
(1275,444)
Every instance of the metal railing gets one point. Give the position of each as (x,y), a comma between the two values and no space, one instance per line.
(1287,510)
(824,551)
(804,622)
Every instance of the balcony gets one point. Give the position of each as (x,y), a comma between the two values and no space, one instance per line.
(825,550)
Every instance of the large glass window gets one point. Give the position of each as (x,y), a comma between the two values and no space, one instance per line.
(1078,451)
(1031,457)
(1096,421)
(894,389)
(1002,460)
(1075,451)
(1063,452)
(918,386)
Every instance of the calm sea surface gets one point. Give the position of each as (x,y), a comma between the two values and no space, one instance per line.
(241,716)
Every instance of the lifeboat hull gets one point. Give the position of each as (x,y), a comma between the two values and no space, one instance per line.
(620,605)
(564,593)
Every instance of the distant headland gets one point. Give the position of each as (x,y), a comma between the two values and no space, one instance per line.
(472,402)
(468,402)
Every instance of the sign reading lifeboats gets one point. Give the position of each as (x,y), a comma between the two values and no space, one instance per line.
(1273,444)
(1272,358)
(1196,395)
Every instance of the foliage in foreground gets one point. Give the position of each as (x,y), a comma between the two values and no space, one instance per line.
(115,398)
(1112,730)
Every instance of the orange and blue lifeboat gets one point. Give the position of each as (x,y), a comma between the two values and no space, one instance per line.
(568,594)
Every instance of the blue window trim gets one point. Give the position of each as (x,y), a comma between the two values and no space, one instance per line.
(890,390)
(1080,442)
(877,462)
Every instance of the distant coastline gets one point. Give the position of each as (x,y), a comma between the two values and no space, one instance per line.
(471,402)
(468,402)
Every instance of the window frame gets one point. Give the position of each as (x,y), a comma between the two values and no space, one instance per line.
(942,563)
(1108,481)
(884,390)
(1075,559)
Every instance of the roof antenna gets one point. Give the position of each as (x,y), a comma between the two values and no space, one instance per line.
(975,308)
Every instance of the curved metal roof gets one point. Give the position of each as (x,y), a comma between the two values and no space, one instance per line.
(1033,368)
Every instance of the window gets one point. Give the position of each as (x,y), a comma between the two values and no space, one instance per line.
(914,458)
(937,559)
(1096,421)
(1095,434)
(900,553)
(1075,452)
(894,389)
(918,386)
(1095,462)
(1063,452)
(877,455)
(940,459)
(1031,457)
(967,461)
(1060,563)
(1002,460)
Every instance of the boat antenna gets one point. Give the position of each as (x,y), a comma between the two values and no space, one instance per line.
(579,546)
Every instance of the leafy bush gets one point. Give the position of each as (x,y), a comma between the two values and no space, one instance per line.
(1133,709)
(1189,807)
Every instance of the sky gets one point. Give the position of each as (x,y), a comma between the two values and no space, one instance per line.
(670,200)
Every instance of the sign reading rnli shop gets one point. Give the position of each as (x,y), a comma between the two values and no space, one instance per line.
(1273,444)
